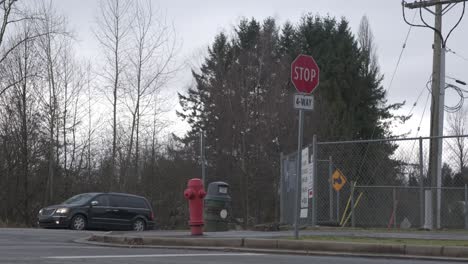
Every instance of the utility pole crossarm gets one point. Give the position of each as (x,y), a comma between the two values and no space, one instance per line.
(428,3)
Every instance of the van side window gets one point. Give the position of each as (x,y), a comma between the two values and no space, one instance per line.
(118,201)
(137,202)
(103,200)
(127,201)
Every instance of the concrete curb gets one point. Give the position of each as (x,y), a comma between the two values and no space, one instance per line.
(284,246)
(169,241)
(205,242)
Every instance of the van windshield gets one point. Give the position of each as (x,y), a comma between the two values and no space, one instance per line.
(80,199)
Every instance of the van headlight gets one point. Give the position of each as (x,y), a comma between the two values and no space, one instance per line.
(62,210)
(40,211)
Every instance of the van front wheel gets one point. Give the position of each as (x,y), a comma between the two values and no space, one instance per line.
(78,222)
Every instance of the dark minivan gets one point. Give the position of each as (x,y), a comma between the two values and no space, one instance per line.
(100,211)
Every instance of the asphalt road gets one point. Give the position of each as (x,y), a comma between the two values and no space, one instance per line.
(57,246)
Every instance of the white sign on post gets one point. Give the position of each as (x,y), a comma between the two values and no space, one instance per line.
(304,102)
(310,184)
(304,212)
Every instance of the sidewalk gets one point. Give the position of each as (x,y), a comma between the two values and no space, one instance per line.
(282,242)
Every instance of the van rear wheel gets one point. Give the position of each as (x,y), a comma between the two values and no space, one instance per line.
(139,225)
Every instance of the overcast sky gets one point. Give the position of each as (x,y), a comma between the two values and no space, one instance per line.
(197,22)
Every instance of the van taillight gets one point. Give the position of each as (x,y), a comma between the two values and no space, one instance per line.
(152,216)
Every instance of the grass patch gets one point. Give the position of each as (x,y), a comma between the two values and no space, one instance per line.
(405,241)
(385,230)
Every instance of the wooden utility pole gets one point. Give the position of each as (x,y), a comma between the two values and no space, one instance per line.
(438,97)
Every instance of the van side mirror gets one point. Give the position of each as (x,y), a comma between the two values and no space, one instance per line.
(94,203)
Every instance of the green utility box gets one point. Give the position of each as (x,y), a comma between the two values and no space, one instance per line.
(217,207)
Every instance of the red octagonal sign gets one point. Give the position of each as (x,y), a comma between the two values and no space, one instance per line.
(305,73)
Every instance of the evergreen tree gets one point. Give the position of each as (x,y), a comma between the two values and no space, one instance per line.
(447,174)
(242,100)
(458,180)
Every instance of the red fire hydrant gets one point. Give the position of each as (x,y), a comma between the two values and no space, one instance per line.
(195,194)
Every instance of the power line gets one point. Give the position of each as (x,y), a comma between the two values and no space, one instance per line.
(416,102)
(422,116)
(420,121)
(401,54)
(427,84)
(461,93)
(456,54)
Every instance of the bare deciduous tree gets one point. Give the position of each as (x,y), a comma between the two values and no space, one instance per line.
(113,28)
(12,21)
(52,31)
(46,94)
(151,59)
(21,69)
(457,126)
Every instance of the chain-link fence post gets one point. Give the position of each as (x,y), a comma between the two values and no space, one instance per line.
(395,204)
(338,207)
(314,180)
(330,189)
(281,191)
(421,183)
(353,220)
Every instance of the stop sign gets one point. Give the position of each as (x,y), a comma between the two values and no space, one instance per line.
(305,73)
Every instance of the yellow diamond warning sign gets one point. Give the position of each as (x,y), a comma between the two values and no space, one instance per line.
(338,180)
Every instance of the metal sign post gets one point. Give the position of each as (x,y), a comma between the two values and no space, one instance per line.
(298,174)
(305,77)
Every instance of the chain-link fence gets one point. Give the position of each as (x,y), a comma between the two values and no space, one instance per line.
(390,183)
